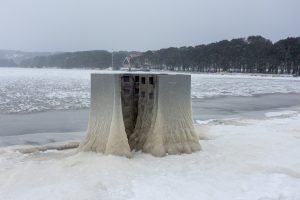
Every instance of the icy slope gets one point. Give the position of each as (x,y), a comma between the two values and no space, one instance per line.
(241,159)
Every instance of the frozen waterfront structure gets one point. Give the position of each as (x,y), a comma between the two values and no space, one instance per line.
(145,111)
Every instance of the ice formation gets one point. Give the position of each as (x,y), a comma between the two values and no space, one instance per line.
(27,90)
(254,161)
(148,112)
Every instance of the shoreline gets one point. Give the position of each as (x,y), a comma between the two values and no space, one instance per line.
(67,121)
(155,70)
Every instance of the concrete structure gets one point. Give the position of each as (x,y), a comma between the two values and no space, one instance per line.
(148,112)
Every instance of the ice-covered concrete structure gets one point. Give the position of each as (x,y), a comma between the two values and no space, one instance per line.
(148,112)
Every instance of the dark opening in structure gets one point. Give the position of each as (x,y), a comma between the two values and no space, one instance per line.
(137,96)
(129,99)
(143,80)
(137,79)
(151,81)
(126,78)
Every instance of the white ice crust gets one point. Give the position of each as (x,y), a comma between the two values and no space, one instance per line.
(33,90)
(106,131)
(244,159)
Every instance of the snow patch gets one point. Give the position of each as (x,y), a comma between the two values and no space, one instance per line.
(285,113)
(205,122)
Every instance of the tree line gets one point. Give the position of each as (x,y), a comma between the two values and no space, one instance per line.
(254,54)
(7,63)
(82,59)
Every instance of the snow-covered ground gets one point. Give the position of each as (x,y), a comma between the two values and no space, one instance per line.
(31,90)
(241,159)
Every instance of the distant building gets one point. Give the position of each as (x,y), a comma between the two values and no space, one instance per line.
(126,62)
(141,111)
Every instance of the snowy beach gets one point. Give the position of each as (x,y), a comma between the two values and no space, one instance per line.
(249,125)
(241,159)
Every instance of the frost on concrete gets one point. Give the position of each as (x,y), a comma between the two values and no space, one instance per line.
(172,130)
(106,131)
(148,112)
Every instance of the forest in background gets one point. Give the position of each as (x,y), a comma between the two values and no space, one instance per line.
(99,59)
(254,54)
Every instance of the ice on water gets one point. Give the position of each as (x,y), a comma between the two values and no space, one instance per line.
(211,85)
(32,90)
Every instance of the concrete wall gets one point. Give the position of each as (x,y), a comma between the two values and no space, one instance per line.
(148,112)
(106,130)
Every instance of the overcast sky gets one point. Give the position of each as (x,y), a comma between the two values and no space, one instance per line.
(71,25)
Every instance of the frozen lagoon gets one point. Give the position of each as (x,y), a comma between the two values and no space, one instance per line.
(251,147)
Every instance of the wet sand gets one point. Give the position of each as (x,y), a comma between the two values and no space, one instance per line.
(203,109)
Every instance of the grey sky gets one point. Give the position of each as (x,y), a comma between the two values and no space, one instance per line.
(70,25)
